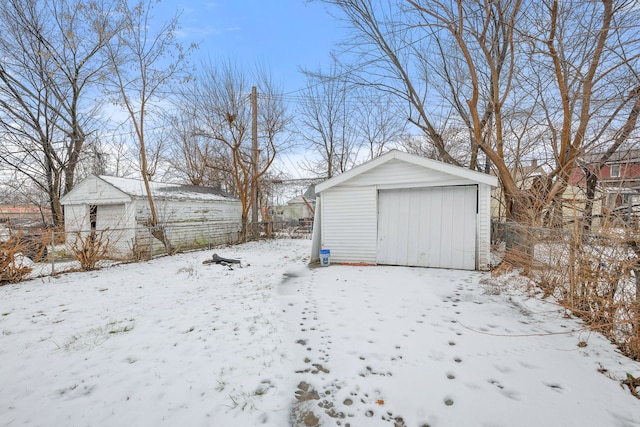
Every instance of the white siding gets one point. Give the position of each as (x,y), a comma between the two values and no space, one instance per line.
(191,223)
(191,211)
(110,216)
(349,224)
(112,224)
(484,227)
(94,191)
(399,174)
(76,217)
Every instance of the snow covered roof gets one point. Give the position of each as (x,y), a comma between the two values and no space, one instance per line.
(135,188)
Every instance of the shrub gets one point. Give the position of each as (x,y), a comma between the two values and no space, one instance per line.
(13,268)
(90,248)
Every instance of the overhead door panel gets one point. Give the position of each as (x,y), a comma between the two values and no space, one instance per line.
(428,227)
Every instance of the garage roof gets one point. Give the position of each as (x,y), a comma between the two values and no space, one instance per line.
(452,170)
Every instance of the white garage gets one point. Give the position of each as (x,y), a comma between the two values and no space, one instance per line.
(402,209)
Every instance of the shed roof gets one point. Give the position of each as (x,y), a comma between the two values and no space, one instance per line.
(413,159)
(135,188)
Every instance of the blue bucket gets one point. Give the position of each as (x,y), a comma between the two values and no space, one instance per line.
(325,257)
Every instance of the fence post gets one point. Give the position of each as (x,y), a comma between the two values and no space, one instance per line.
(53,252)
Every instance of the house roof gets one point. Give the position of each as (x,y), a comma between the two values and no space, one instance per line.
(452,170)
(622,155)
(21,209)
(524,172)
(135,188)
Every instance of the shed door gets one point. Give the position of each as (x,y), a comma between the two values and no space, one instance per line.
(110,216)
(428,227)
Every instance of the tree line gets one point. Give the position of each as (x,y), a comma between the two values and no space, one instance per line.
(101,86)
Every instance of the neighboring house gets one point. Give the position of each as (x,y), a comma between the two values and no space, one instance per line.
(403,209)
(618,189)
(23,213)
(300,207)
(297,209)
(193,216)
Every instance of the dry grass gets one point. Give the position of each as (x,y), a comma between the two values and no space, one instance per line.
(592,275)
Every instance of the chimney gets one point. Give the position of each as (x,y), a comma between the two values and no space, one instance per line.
(534,162)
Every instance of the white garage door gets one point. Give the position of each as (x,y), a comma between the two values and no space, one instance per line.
(428,227)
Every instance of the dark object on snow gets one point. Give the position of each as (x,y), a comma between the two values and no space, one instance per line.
(34,248)
(215,259)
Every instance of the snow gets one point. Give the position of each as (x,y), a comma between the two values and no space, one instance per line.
(175,342)
(135,188)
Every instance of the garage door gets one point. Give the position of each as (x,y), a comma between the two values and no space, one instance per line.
(428,227)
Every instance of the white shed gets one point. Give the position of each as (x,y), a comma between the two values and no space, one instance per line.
(403,209)
(298,208)
(193,216)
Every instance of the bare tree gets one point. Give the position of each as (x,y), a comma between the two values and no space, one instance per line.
(51,67)
(220,114)
(327,123)
(143,61)
(346,124)
(521,76)
(481,36)
(385,53)
(193,157)
(378,121)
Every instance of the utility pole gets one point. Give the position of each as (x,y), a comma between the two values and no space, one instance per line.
(254,161)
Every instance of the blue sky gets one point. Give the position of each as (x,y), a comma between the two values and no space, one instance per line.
(283,34)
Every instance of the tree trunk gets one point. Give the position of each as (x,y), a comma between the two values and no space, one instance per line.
(75,148)
(591,184)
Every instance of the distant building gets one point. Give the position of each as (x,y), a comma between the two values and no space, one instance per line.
(618,189)
(299,208)
(21,214)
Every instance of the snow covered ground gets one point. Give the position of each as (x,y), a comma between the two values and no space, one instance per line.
(276,343)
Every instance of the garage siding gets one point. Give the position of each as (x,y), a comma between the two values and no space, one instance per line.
(484,227)
(396,172)
(349,224)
